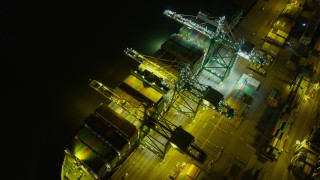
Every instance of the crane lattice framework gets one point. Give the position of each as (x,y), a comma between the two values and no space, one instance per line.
(186,92)
(137,112)
(146,138)
(156,132)
(176,136)
(183,91)
(222,48)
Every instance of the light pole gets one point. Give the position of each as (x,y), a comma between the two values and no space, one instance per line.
(295,145)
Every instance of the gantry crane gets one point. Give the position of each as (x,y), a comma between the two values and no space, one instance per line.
(186,93)
(156,132)
(222,48)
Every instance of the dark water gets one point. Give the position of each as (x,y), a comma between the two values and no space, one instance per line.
(53,48)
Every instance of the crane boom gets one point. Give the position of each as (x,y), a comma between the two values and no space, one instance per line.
(159,71)
(187,22)
(109,94)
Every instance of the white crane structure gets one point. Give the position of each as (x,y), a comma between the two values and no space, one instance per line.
(222,48)
(183,91)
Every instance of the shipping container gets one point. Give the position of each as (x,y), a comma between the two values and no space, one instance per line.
(184,50)
(195,37)
(190,172)
(138,89)
(270,48)
(134,116)
(107,133)
(271,36)
(235,100)
(284,24)
(274,97)
(125,128)
(247,84)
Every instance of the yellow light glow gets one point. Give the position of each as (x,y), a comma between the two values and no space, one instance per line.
(306,97)
(81,152)
(206,103)
(173,145)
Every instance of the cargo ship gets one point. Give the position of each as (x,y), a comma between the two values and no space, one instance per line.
(167,80)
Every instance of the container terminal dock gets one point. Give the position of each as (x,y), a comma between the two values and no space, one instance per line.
(204,105)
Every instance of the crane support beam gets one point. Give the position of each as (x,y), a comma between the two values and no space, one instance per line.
(152,67)
(189,23)
(113,97)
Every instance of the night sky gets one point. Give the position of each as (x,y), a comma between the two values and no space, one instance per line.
(51,49)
